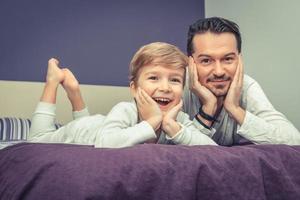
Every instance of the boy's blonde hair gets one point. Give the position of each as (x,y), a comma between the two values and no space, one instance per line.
(157,53)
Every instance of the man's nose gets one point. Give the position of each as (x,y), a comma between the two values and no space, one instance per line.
(219,69)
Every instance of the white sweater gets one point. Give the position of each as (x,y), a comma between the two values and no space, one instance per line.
(262,124)
(120,128)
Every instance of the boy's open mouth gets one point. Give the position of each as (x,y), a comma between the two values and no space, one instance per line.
(162,101)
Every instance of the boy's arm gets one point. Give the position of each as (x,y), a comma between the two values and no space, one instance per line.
(189,134)
(181,130)
(121,128)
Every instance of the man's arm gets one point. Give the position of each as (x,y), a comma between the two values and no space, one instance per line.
(207,98)
(262,123)
(232,100)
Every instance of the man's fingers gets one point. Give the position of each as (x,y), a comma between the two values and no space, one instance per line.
(193,74)
(241,71)
(191,70)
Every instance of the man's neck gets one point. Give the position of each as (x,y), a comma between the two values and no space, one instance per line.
(220,102)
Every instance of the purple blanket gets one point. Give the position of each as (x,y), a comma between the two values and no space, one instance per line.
(149,171)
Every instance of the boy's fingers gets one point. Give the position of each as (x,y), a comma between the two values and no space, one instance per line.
(179,105)
(147,98)
(139,97)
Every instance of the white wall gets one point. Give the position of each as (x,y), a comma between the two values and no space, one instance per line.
(18,99)
(271,46)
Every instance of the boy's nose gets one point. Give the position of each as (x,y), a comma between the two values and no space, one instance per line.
(165,86)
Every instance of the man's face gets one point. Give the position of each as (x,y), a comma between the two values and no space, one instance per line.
(164,85)
(216,57)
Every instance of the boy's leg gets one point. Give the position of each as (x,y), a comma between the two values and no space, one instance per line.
(71,86)
(44,116)
(54,77)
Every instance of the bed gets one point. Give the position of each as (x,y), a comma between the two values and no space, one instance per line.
(149,171)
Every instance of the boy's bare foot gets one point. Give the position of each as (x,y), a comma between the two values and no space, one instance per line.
(71,86)
(55,75)
(53,78)
(70,83)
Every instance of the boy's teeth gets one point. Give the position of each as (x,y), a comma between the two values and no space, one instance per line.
(162,99)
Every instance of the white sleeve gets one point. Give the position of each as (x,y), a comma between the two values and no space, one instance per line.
(121,128)
(189,134)
(263,124)
(81,113)
(43,120)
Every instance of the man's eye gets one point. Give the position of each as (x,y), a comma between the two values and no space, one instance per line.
(228,59)
(205,61)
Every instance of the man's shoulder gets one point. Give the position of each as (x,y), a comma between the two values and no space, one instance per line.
(248,81)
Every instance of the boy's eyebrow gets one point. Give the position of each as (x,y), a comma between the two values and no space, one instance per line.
(172,74)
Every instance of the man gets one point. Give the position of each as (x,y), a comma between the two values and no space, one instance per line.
(227,105)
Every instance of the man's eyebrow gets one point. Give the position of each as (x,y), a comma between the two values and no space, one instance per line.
(230,54)
(206,55)
(203,55)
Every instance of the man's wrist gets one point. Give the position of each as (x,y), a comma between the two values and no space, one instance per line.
(205,115)
(237,113)
(205,123)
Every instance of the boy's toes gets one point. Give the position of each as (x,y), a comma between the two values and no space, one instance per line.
(53,61)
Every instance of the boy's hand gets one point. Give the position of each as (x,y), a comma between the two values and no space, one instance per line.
(169,123)
(148,109)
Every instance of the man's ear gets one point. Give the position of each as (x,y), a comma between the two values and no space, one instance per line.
(132,88)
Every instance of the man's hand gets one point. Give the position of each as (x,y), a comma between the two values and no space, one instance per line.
(169,123)
(148,109)
(207,98)
(232,100)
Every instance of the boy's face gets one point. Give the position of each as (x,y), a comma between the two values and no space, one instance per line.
(163,84)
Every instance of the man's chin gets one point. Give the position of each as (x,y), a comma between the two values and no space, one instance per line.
(219,93)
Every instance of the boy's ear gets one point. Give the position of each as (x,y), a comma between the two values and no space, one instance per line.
(132,88)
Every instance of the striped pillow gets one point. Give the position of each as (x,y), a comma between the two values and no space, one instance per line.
(12,129)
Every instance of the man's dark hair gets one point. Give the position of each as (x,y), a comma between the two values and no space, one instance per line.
(215,25)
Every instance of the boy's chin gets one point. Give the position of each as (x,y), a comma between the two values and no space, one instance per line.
(165,110)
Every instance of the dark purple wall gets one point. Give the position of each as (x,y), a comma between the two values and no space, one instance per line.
(94,38)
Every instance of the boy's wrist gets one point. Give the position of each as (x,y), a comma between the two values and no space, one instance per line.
(171,127)
(155,122)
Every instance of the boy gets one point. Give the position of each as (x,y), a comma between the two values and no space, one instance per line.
(157,75)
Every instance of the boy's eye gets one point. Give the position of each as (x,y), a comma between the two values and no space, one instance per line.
(152,78)
(176,80)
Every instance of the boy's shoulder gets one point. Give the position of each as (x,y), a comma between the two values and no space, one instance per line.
(182,116)
(126,106)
